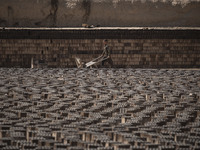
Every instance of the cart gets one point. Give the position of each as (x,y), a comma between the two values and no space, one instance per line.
(91,63)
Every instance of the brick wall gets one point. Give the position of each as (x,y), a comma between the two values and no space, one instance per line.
(146,48)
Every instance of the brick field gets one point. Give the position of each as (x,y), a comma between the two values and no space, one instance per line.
(104,109)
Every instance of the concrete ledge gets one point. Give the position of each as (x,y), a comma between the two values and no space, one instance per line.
(101,33)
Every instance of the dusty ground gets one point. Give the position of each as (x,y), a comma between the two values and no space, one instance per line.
(99,109)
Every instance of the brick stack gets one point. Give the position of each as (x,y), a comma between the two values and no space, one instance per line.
(156,48)
(47,109)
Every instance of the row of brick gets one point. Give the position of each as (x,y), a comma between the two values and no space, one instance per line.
(99,109)
(99,34)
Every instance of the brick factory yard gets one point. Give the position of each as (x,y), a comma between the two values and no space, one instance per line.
(45,109)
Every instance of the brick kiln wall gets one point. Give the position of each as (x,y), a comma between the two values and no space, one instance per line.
(153,48)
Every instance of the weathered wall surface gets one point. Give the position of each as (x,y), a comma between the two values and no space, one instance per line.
(153,48)
(67,13)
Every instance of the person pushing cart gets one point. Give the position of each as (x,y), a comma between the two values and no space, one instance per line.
(106,54)
(104,58)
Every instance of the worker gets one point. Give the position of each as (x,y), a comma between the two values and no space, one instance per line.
(106,54)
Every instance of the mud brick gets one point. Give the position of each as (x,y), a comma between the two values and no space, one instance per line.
(87,136)
(125,118)
(121,146)
(127,44)
(183,146)
(180,137)
(93,146)
(75,148)
(196,147)
(105,148)
(132,129)
(30,134)
(2,145)
(138,148)
(61,145)
(57,135)
(5,127)
(43,148)
(167,147)
(11,148)
(35,140)
(6,140)
(29,146)
(22,114)
(50,143)
(152,146)
(106,129)
(85,114)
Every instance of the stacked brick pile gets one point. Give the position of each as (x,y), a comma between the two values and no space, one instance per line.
(99,109)
(153,48)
